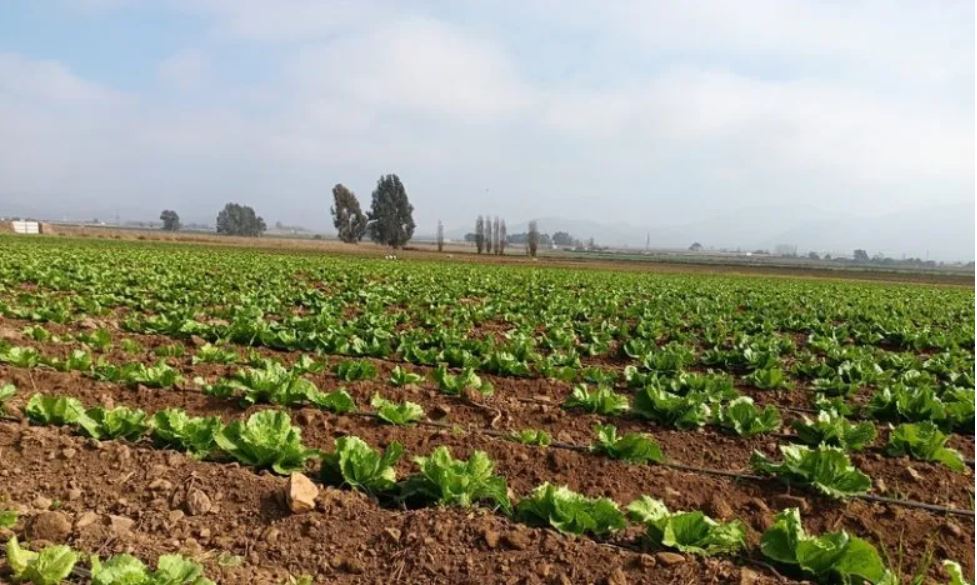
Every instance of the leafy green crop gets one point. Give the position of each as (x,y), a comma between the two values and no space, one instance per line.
(456,384)
(632,447)
(453,482)
(170,350)
(955,571)
(120,422)
(826,469)
(396,413)
(570,512)
(54,410)
(770,378)
(831,557)
(99,339)
(352,370)
(159,376)
(214,354)
(691,532)
(7,392)
(126,569)
(196,435)
(831,428)
(356,464)
(50,566)
(742,417)
(602,400)
(267,439)
(21,357)
(8,518)
(537,437)
(402,377)
(904,403)
(273,383)
(925,442)
(668,409)
(669,358)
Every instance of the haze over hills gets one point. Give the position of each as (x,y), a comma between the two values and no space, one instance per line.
(825,126)
(938,233)
(943,233)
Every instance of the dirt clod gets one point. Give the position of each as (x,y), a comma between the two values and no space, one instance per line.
(748,577)
(669,558)
(121,526)
(782,501)
(491,537)
(53,526)
(161,485)
(197,502)
(516,539)
(617,577)
(720,508)
(86,519)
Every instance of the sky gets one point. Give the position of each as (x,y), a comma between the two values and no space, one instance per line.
(722,119)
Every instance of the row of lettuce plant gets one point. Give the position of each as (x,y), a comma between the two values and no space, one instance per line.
(268,440)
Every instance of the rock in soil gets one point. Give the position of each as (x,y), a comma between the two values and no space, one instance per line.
(300,493)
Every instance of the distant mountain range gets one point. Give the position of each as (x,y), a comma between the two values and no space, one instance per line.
(939,232)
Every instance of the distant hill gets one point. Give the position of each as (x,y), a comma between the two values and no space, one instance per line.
(895,234)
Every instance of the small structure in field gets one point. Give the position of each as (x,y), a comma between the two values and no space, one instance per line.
(25,227)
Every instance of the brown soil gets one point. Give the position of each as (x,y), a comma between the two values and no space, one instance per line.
(447,546)
(346,539)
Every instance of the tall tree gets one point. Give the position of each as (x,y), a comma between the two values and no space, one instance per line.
(440,236)
(239,220)
(496,236)
(503,238)
(488,234)
(479,234)
(347,216)
(391,217)
(171,221)
(532,242)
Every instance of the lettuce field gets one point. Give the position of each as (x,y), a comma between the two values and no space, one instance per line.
(174,414)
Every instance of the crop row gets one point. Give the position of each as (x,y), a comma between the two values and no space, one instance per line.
(508,321)
(268,440)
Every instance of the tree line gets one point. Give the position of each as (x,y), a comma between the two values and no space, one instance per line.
(390,220)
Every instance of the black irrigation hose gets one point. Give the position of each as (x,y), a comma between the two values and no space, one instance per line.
(717,472)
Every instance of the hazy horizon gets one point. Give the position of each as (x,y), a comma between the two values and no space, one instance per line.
(737,124)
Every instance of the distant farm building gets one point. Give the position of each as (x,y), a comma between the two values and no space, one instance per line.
(25,227)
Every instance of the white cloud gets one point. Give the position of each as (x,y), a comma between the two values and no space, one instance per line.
(184,70)
(415,65)
(49,81)
(668,110)
(290,20)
